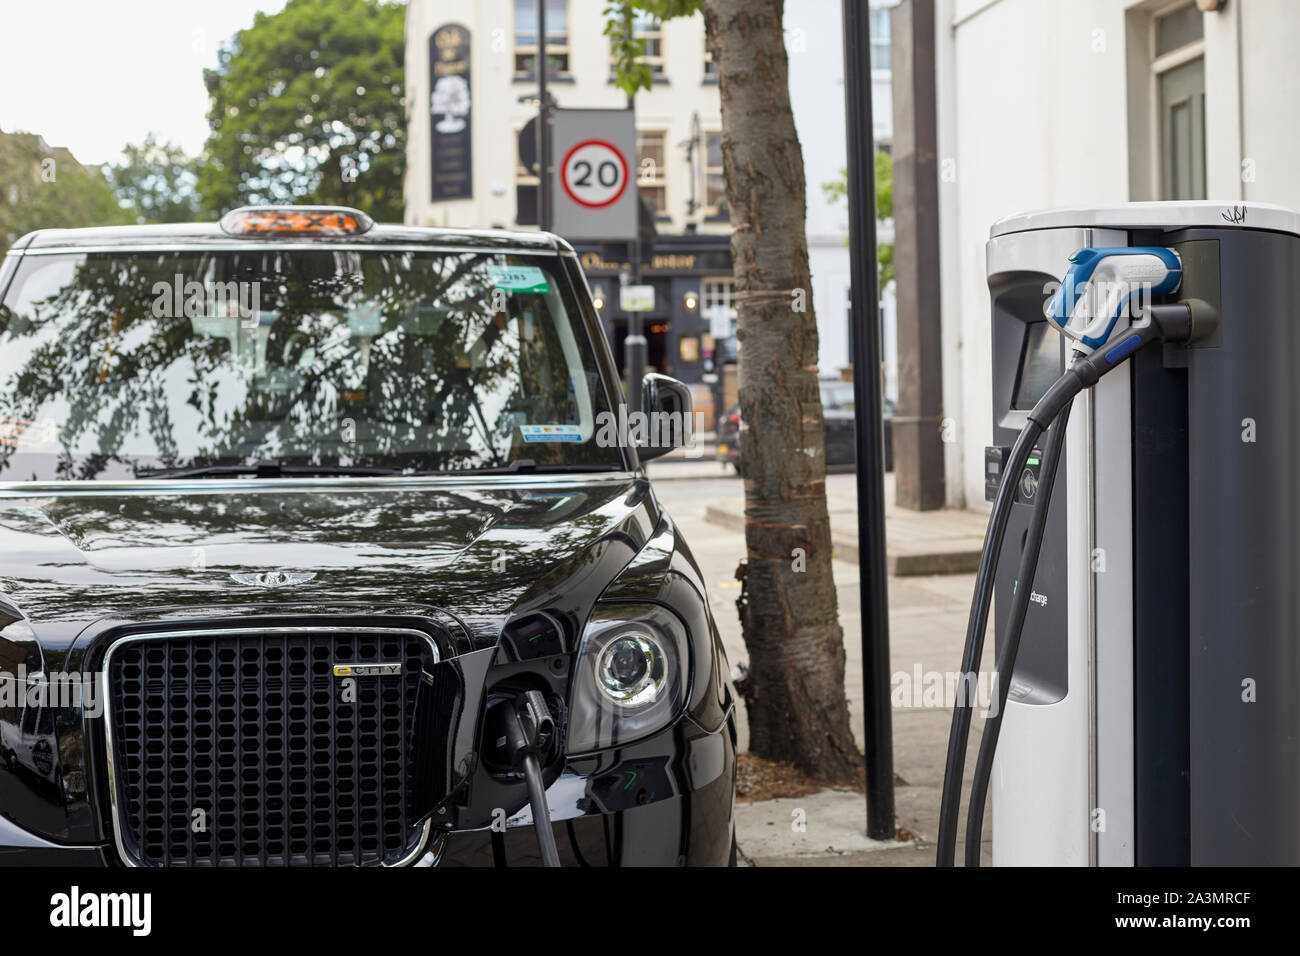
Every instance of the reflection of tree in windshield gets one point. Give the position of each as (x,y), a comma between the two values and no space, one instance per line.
(329,357)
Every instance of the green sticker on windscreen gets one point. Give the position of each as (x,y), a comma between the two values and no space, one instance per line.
(518,278)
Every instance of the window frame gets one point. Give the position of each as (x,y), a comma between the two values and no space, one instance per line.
(717,212)
(657,62)
(552,49)
(883,13)
(660,180)
(715,291)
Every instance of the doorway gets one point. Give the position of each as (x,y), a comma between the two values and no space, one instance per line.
(658,356)
(1179,69)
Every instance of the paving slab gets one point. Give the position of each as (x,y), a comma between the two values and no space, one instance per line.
(946,541)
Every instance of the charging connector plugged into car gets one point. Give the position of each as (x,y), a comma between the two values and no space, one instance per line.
(526,740)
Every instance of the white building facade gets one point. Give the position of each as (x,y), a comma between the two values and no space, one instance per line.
(1094,102)
(682,106)
(815,45)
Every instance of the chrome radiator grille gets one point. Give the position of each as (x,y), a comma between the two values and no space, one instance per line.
(243,748)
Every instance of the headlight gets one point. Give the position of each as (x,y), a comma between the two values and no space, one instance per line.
(631,671)
(631,678)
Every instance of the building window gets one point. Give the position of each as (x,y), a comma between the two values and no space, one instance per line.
(652,172)
(710,68)
(649,31)
(880,40)
(1178,66)
(717,306)
(557,38)
(715,181)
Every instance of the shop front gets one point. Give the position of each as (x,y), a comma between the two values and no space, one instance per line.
(690,334)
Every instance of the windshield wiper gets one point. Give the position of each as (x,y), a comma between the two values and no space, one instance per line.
(265,469)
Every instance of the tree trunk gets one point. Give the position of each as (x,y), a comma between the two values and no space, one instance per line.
(795,689)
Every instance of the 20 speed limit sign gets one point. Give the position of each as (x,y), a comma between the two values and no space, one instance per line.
(594,174)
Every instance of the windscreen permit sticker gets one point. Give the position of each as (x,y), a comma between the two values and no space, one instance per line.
(364,320)
(518,278)
(534,433)
(21,434)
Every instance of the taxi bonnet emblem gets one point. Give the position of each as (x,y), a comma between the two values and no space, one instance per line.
(382,669)
(273,579)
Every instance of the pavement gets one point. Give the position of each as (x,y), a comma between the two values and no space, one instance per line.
(917,542)
(927,614)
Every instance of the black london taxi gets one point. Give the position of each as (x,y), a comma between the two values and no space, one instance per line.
(328,543)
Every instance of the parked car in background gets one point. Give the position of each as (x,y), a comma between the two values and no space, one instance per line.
(838,412)
(729,438)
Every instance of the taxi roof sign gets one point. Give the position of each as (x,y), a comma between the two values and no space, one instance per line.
(295,221)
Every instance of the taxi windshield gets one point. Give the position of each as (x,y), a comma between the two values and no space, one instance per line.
(121,364)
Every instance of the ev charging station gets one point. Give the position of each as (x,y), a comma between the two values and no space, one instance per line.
(1153,708)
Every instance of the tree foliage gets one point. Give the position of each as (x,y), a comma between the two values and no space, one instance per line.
(631,73)
(156,182)
(838,189)
(307,107)
(46,188)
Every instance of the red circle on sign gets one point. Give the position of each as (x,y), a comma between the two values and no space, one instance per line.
(564,177)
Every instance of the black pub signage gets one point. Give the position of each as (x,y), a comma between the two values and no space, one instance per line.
(451,152)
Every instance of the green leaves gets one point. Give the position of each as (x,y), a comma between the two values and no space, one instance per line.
(838,189)
(626,51)
(884,186)
(46,188)
(307,106)
(156,182)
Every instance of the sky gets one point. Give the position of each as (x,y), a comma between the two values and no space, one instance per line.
(94,75)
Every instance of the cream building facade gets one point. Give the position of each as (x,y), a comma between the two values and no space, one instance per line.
(679,167)
(1094,102)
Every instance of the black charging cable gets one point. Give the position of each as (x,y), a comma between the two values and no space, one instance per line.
(1179,322)
(958,735)
(1006,659)
(529,731)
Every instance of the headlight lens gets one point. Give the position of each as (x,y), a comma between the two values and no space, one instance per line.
(630,669)
(631,677)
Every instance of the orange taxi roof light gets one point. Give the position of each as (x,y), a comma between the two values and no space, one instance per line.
(295,221)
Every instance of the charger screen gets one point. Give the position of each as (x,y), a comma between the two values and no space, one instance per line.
(1042,362)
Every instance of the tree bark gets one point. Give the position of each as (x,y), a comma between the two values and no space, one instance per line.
(795,688)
